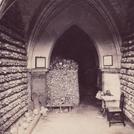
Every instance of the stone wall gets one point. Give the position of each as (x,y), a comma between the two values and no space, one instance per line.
(13,79)
(127,65)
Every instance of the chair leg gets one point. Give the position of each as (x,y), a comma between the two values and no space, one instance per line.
(109,124)
(124,124)
(109,118)
(123,119)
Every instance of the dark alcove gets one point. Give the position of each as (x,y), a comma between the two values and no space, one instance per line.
(75,44)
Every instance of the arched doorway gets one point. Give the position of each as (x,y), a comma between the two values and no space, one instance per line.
(76,45)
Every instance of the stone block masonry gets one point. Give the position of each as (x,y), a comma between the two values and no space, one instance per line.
(13,80)
(127,65)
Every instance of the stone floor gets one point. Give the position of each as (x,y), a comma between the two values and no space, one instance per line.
(81,120)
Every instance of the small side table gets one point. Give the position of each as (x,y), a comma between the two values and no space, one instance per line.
(107,101)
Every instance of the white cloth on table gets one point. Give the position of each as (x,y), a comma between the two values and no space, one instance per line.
(99,95)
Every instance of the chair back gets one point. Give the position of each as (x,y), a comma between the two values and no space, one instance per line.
(122,97)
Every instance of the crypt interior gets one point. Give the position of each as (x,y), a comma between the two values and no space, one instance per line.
(56,55)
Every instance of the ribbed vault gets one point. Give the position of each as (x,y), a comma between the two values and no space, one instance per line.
(94,20)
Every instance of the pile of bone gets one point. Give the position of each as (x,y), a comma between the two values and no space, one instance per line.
(62,83)
(66,64)
(26,124)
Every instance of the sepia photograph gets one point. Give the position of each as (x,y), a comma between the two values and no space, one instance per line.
(66,66)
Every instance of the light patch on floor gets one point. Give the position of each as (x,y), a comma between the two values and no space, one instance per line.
(82,120)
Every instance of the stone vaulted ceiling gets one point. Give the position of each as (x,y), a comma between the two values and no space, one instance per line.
(29,11)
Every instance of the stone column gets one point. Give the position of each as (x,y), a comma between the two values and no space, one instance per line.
(29,89)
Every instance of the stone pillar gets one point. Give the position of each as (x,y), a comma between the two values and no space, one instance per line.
(111,81)
(38,85)
(29,88)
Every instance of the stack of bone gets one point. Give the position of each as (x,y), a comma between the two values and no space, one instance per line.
(13,80)
(27,122)
(62,83)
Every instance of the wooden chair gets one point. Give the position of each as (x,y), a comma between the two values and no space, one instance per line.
(116,114)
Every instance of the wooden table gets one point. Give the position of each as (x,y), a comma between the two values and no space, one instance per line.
(107,101)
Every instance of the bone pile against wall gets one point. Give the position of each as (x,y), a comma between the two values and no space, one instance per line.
(13,80)
(62,82)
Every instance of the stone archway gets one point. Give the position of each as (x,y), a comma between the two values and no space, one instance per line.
(92,21)
(75,44)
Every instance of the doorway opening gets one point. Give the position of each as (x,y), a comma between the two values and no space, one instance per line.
(75,44)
